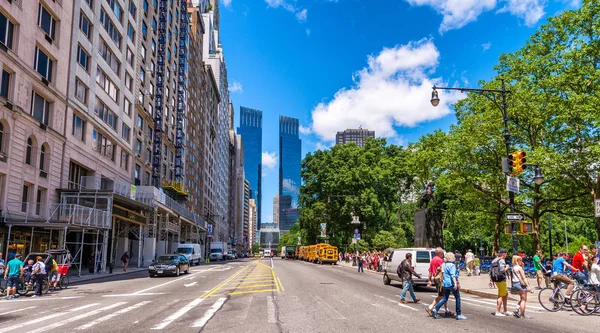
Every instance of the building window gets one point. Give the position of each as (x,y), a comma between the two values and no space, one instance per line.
(138,169)
(143,53)
(117,10)
(141,97)
(76,171)
(89,2)
(148,155)
(5,85)
(138,147)
(142,74)
(149,132)
(81,90)
(145,6)
(144,29)
(127,107)
(29,152)
(41,194)
(131,32)
(109,56)
(104,113)
(152,68)
(132,9)
(84,25)
(110,27)
(44,153)
(43,64)
(124,160)
(25,198)
(129,57)
(83,57)
(6,31)
(78,127)
(150,109)
(46,21)
(103,145)
(126,132)
(147,178)
(128,82)
(153,46)
(40,108)
(2,139)
(106,83)
(140,121)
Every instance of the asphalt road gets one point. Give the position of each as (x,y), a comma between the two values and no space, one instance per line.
(251,296)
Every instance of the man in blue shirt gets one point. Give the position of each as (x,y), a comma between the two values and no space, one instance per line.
(12,273)
(558,272)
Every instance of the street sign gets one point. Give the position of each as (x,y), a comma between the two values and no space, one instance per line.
(512,184)
(356,232)
(299,239)
(515,217)
(355,220)
(323,229)
(354,240)
(597,208)
(357,236)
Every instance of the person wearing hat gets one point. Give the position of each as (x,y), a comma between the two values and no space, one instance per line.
(12,274)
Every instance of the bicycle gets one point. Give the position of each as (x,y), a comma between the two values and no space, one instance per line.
(23,289)
(586,301)
(554,296)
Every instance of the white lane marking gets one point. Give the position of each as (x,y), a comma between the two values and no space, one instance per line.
(41,319)
(331,308)
(244,314)
(178,314)
(134,294)
(271,309)
(45,298)
(529,306)
(112,315)
(209,313)
(163,284)
(191,278)
(13,311)
(272,263)
(397,302)
(190,284)
(76,318)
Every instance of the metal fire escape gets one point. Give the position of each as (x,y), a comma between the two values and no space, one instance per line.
(175,186)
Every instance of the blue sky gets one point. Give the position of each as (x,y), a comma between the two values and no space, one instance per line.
(337,64)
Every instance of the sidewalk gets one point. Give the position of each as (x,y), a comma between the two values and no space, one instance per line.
(86,276)
(474,285)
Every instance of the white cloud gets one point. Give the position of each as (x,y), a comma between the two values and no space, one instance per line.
(227,3)
(321,146)
(269,160)
(393,90)
(301,15)
(305,130)
(236,87)
(307,32)
(486,46)
(530,10)
(458,13)
(280,3)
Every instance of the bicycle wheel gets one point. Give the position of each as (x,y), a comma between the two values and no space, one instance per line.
(588,303)
(577,300)
(22,289)
(45,287)
(551,300)
(64,282)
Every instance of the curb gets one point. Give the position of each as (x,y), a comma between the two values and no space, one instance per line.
(484,294)
(355,268)
(98,277)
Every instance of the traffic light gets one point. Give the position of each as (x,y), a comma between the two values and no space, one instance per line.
(512,162)
(516,162)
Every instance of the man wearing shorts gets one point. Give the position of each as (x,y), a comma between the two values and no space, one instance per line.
(12,274)
(54,274)
(539,270)
(502,291)
(434,265)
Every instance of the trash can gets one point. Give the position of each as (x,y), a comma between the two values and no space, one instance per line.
(110,267)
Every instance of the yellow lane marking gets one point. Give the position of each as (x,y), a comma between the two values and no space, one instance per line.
(257,278)
(224,282)
(267,266)
(252,292)
(260,281)
(275,279)
(281,285)
(251,286)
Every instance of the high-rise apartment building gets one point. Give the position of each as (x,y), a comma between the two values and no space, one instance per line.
(236,191)
(246,211)
(358,136)
(251,131)
(276,209)
(290,157)
(251,223)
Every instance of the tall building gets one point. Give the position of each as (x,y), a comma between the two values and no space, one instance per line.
(358,136)
(276,209)
(251,222)
(290,157)
(246,211)
(236,191)
(251,131)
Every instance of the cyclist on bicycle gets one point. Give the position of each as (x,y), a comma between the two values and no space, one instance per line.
(558,273)
(580,263)
(595,274)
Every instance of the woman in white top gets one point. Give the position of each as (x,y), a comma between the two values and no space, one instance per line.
(520,284)
(595,273)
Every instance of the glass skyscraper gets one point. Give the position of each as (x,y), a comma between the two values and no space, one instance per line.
(251,131)
(290,156)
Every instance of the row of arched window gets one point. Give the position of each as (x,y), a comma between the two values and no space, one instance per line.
(31,150)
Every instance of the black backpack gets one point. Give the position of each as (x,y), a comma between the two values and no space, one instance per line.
(48,265)
(497,275)
(400,271)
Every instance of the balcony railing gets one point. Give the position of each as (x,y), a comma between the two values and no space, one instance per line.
(57,214)
(115,185)
(151,196)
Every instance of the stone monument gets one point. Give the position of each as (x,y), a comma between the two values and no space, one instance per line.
(428,221)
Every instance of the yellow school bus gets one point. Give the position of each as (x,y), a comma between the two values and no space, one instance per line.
(312,253)
(320,252)
(329,255)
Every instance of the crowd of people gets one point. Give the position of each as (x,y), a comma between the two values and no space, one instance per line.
(31,273)
(372,261)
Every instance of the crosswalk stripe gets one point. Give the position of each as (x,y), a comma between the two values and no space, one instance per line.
(13,311)
(178,314)
(397,302)
(112,315)
(76,318)
(209,313)
(41,319)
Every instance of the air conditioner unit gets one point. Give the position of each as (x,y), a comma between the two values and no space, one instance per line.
(43,174)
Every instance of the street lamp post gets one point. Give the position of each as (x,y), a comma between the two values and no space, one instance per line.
(490,94)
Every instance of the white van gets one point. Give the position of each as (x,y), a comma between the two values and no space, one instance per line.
(191,251)
(420,262)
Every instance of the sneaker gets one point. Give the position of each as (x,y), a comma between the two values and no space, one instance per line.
(429,312)
(526,317)
(7,297)
(449,314)
(403,301)
(417,300)
(517,314)
(499,314)
(434,314)
(461,317)
(16,296)
(539,288)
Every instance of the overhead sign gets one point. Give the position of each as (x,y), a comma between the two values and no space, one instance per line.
(355,220)
(354,240)
(597,208)
(323,230)
(512,184)
(357,236)
(515,217)
(299,240)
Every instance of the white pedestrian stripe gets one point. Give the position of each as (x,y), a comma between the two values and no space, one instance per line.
(178,314)
(190,284)
(134,294)
(76,318)
(397,302)
(112,315)
(331,308)
(271,309)
(13,311)
(41,319)
(209,313)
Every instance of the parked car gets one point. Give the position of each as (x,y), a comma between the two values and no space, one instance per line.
(169,264)
(420,262)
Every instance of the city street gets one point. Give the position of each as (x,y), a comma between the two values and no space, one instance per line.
(249,296)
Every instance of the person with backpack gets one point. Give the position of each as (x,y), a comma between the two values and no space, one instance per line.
(406,272)
(498,277)
(450,284)
(39,275)
(125,260)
